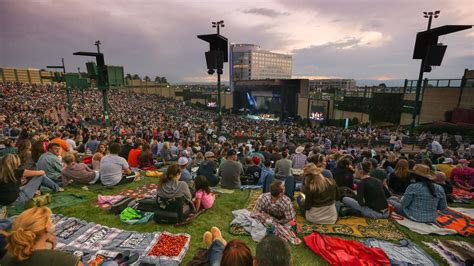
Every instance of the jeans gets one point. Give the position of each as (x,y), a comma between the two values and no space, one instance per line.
(366,211)
(28,191)
(214,253)
(398,207)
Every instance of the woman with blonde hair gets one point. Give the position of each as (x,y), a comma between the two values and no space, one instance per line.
(32,241)
(319,194)
(399,180)
(19,185)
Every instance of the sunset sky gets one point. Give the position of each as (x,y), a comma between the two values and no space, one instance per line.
(364,40)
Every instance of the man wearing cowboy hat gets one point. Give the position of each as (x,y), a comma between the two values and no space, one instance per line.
(423,199)
(298,158)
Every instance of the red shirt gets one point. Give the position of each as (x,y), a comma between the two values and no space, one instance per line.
(133,157)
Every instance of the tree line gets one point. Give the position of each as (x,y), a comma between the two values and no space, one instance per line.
(158,79)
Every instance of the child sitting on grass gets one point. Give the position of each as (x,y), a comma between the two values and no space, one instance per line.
(203,199)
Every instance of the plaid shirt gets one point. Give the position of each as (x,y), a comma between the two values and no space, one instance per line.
(299,160)
(281,210)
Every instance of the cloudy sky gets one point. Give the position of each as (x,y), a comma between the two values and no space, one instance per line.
(364,40)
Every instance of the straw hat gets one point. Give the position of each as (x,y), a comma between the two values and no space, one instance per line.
(423,171)
(300,149)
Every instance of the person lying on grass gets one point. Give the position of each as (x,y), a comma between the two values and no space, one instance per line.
(204,198)
(32,241)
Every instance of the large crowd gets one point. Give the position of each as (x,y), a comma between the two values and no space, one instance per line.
(338,172)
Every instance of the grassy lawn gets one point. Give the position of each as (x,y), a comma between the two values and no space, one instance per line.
(220,215)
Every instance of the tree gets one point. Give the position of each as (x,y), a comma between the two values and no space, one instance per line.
(135,77)
(128,76)
(146,78)
(158,79)
(163,80)
(383,85)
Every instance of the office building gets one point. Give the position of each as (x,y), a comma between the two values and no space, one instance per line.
(321,85)
(250,62)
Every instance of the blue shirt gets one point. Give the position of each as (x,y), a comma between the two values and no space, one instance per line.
(419,205)
(185,176)
(265,172)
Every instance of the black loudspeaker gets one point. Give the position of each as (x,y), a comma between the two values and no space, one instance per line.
(215,59)
(435,54)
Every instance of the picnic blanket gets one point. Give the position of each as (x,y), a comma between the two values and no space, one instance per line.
(354,226)
(465,211)
(424,228)
(338,251)
(452,219)
(147,190)
(91,239)
(253,197)
(404,253)
(454,252)
(59,200)
(462,194)
(222,190)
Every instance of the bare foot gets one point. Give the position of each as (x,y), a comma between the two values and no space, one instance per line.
(60,189)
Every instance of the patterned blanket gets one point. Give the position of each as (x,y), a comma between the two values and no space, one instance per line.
(92,240)
(148,190)
(352,226)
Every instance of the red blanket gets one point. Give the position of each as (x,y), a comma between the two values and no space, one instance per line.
(338,251)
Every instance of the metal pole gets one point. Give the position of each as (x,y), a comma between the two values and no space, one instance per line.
(106,106)
(418,87)
(219,112)
(64,67)
(69,102)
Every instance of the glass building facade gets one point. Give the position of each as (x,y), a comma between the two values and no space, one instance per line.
(249,62)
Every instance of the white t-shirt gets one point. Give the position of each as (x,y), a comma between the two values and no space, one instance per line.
(111,167)
(71,144)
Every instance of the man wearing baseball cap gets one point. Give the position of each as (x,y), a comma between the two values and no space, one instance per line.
(446,166)
(230,171)
(208,168)
(185,174)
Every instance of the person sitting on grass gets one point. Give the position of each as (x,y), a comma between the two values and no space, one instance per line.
(183,165)
(447,186)
(17,186)
(399,179)
(463,176)
(272,250)
(101,152)
(274,205)
(422,199)
(208,168)
(318,200)
(219,252)
(371,201)
(77,173)
(254,170)
(32,241)
(204,198)
(230,170)
(50,162)
(266,171)
(133,155)
(114,170)
(171,187)
(145,158)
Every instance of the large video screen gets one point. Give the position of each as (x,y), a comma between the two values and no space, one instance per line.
(263,102)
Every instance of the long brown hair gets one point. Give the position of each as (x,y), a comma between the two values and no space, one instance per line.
(27,229)
(37,149)
(236,253)
(171,173)
(9,163)
(24,149)
(401,169)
